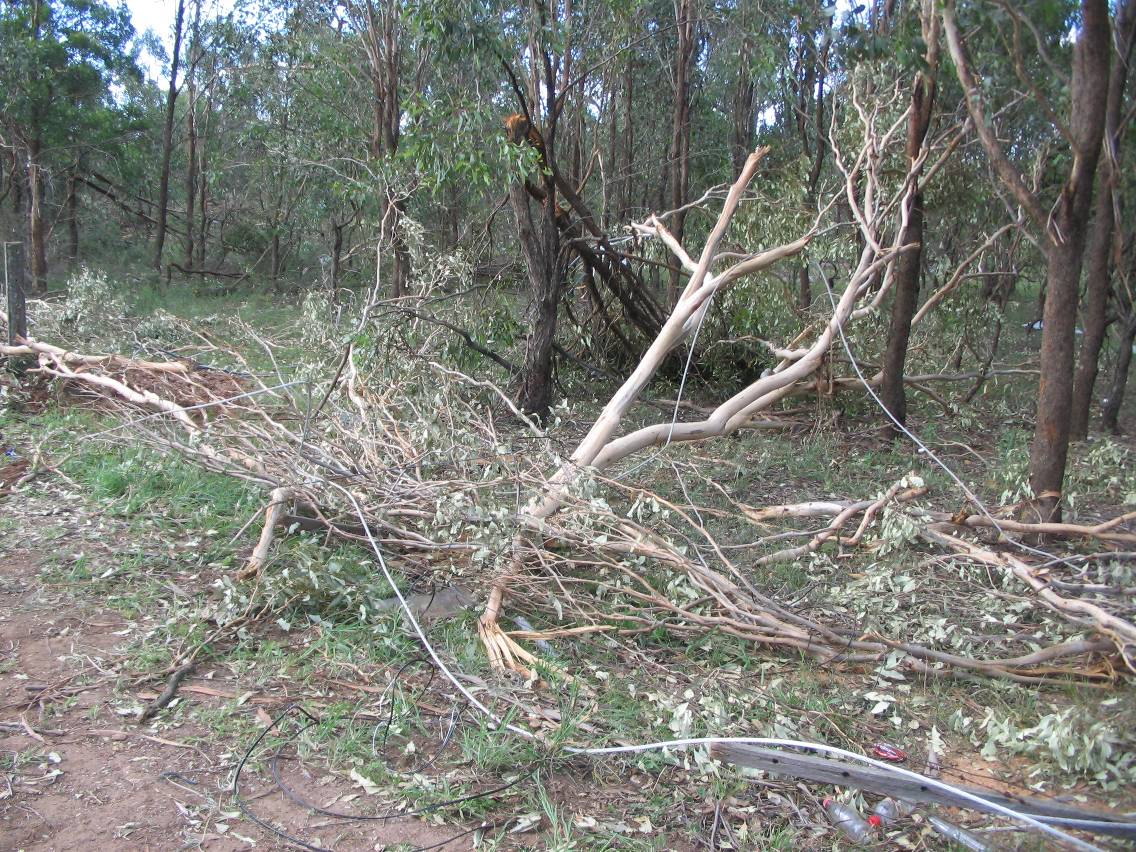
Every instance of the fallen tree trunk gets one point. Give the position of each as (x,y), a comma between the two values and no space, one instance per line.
(600,447)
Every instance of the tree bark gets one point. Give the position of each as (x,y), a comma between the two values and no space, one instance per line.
(336,256)
(168,140)
(1055,393)
(680,131)
(812,90)
(628,160)
(17,309)
(540,243)
(72,218)
(36,240)
(1099,250)
(190,182)
(203,168)
(908,265)
(907,268)
(1064,232)
(381,43)
(743,132)
(194,57)
(1110,408)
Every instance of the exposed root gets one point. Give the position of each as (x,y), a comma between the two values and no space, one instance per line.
(503,652)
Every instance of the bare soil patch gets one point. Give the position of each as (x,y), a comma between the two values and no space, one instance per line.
(78,774)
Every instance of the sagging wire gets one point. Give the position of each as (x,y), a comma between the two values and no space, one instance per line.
(1025,819)
(927,451)
(701,318)
(934,783)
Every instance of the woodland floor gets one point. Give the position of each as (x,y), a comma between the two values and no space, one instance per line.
(77,774)
(84,612)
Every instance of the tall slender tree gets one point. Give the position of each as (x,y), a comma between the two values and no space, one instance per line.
(168,140)
(1063,229)
(1099,251)
(908,266)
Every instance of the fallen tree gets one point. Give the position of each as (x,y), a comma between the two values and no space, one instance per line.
(405,454)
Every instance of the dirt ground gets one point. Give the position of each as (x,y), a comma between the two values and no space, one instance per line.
(78,772)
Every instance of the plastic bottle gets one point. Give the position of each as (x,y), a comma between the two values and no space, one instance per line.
(848,821)
(889,810)
(959,835)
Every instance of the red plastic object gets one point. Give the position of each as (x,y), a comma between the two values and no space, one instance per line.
(889,752)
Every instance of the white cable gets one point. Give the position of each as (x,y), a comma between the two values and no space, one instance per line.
(702,312)
(1010,813)
(925,450)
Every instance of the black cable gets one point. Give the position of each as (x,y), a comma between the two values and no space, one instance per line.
(294,797)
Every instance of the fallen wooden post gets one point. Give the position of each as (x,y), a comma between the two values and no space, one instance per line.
(828,771)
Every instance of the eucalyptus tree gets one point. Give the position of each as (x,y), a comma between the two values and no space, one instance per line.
(1062,222)
(907,269)
(1100,248)
(168,137)
(60,61)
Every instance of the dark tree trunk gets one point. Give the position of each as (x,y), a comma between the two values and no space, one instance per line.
(540,243)
(1063,228)
(812,140)
(908,265)
(274,260)
(906,286)
(37,243)
(203,169)
(16,308)
(72,219)
(1099,249)
(1063,257)
(680,131)
(190,184)
(400,268)
(381,42)
(202,204)
(610,186)
(336,257)
(168,140)
(17,188)
(1110,408)
(628,138)
(191,133)
(743,132)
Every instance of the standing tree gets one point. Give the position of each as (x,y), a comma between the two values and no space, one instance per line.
(1063,226)
(168,140)
(1099,250)
(685,25)
(907,267)
(539,231)
(383,36)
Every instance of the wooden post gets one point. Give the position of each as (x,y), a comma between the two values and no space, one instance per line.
(14,279)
